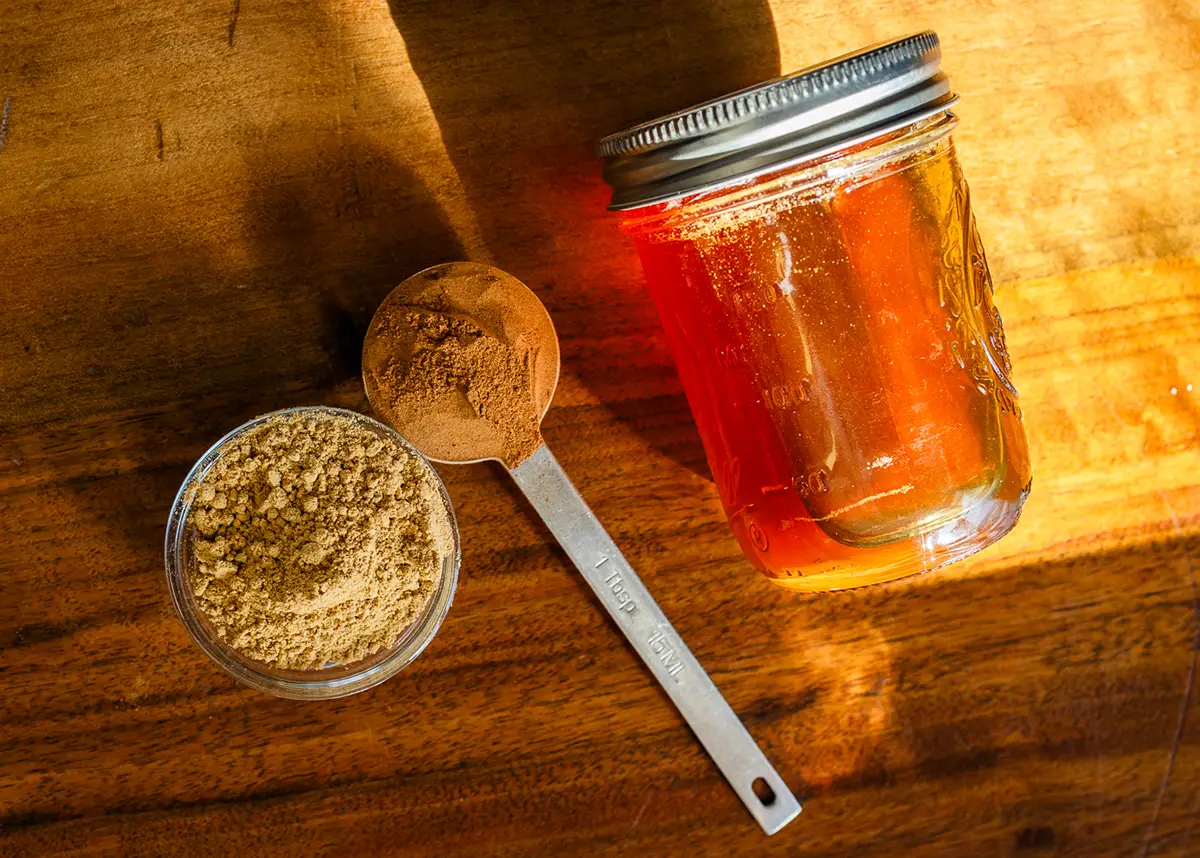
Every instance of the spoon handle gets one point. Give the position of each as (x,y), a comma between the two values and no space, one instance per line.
(640,619)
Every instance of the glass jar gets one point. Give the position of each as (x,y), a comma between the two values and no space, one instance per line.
(810,246)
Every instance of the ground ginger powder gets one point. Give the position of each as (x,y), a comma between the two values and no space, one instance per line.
(316,541)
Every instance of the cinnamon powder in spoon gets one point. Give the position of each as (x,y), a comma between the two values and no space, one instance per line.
(455,366)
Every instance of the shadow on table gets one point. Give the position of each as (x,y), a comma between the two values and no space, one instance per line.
(345,235)
(521,93)
(273,314)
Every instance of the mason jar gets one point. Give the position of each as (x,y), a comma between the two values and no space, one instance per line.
(811,249)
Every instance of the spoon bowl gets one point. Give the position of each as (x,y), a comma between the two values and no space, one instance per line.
(502,306)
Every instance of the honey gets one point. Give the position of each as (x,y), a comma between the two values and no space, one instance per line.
(840,350)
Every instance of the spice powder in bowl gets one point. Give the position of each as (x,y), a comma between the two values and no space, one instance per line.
(315,538)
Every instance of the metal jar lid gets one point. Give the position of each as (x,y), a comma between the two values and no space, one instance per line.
(777,123)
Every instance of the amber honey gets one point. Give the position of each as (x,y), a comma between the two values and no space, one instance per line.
(834,330)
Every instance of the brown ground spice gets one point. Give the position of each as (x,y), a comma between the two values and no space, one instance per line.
(316,541)
(453,356)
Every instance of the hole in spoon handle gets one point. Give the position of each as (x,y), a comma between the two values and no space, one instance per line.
(763,790)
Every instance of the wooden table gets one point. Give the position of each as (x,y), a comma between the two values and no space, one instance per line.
(202,203)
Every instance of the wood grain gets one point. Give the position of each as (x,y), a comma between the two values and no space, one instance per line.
(201,205)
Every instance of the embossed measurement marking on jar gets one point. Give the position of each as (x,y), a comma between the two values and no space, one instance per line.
(787,395)
(750,301)
(816,482)
(732,356)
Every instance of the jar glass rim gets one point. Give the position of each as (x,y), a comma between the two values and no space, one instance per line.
(808,175)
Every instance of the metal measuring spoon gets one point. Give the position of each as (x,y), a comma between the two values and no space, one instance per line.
(504,307)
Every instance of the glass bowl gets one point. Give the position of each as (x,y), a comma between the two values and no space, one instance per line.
(334,680)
